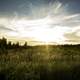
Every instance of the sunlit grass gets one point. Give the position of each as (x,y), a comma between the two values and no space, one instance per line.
(39,61)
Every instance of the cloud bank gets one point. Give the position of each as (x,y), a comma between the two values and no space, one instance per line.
(53,22)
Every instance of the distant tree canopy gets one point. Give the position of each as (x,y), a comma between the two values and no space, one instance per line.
(4,44)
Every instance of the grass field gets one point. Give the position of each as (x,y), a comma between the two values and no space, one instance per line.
(46,62)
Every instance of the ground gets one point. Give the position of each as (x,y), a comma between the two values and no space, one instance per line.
(47,62)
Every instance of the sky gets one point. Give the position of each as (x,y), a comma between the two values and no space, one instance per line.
(52,21)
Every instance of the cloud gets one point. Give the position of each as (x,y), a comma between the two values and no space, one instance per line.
(3,28)
(73,36)
(52,22)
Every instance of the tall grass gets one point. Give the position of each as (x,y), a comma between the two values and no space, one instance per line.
(41,63)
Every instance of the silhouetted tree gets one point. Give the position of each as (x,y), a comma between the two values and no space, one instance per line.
(3,45)
(13,45)
(17,45)
(3,42)
(25,45)
(9,45)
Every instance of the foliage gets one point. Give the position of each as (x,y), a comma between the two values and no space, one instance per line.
(46,62)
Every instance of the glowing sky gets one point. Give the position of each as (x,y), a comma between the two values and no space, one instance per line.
(53,21)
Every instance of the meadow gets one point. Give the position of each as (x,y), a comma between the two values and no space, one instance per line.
(42,62)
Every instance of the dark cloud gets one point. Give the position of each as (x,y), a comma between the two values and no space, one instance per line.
(23,7)
(3,28)
(72,37)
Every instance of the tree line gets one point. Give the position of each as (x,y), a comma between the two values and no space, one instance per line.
(4,44)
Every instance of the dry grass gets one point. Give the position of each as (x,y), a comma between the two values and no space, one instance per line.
(39,63)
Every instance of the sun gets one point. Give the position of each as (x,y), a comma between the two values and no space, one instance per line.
(39,30)
(47,24)
(49,35)
(46,29)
